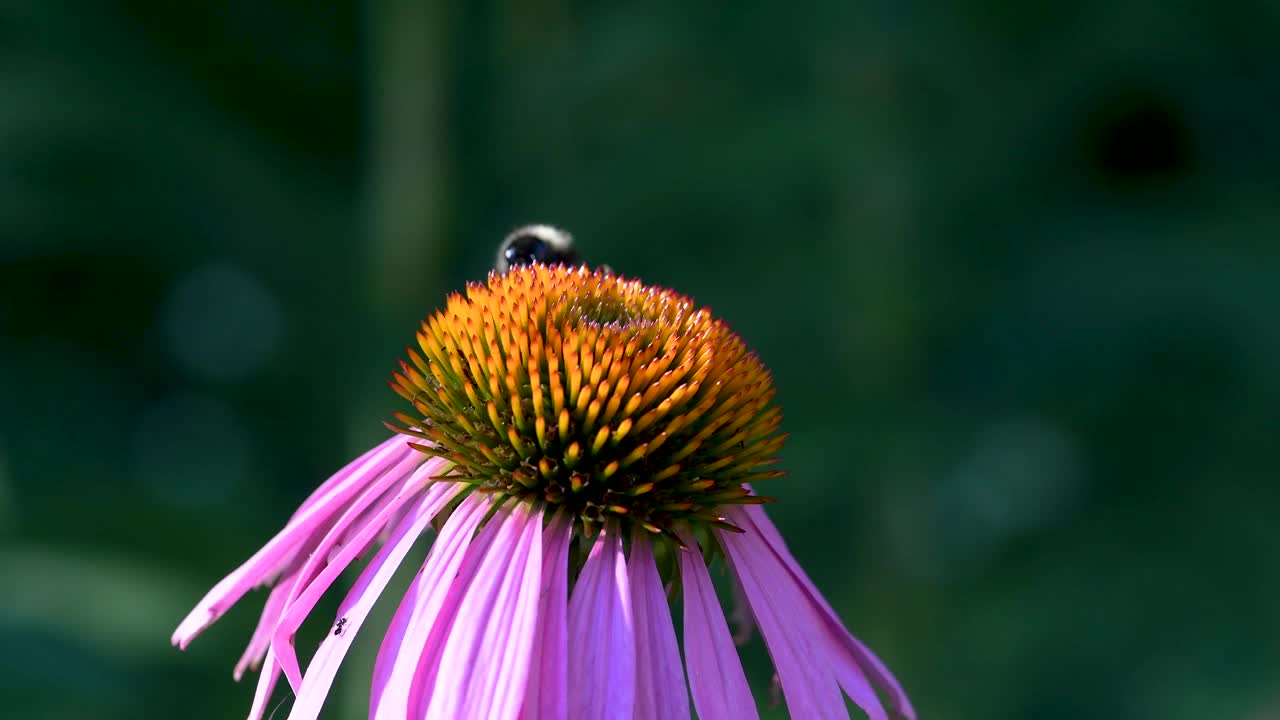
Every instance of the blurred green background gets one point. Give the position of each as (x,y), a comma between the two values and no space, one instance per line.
(1016,267)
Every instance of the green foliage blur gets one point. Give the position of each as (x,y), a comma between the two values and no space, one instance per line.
(1015,266)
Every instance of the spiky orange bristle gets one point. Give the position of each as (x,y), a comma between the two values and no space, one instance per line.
(588,391)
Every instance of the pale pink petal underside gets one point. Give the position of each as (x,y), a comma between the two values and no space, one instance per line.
(719,687)
(485,662)
(547,694)
(661,693)
(601,635)
(428,659)
(395,667)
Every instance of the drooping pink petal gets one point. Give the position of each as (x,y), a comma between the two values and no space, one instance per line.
(271,670)
(485,662)
(393,671)
(791,628)
(719,687)
(261,639)
(327,561)
(851,657)
(355,608)
(601,635)
(547,695)
(381,513)
(395,442)
(660,688)
(264,563)
(266,685)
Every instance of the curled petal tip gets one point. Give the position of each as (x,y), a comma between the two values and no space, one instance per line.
(193,624)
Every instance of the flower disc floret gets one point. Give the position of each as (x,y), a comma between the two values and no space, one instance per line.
(594,393)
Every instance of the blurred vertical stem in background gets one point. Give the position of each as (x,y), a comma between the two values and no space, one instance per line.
(408,45)
(405,150)
(406,106)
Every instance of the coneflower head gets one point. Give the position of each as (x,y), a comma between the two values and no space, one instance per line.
(593,393)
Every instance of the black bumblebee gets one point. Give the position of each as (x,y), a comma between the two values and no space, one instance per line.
(536,244)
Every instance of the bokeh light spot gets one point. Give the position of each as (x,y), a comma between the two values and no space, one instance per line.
(222,323)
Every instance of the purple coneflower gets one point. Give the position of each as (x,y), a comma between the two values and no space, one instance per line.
(585,446)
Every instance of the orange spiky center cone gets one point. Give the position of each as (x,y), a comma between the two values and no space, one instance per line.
(593,393)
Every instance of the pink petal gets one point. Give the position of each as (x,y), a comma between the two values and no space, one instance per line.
(366,591)
(720,690)
(428,659)
(377,513)
(851,657)
(266,685)
(261,639)
(267,560)
(270,665)
(395,442)
(601,635)
(394,669)
(485,662)
(325,562)
(660,688)
(792,631)
(547,696)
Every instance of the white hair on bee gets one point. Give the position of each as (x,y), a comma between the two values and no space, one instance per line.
(536,243)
